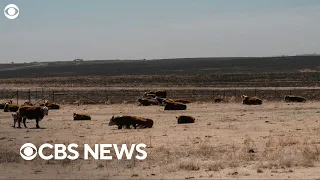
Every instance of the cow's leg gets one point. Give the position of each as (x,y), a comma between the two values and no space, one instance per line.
(37,121)
(24,122)
(135,126)
(14,123)
(119,126)
(19,122)
(128,126)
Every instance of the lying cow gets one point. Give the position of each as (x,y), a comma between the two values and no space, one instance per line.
(10,107)
(163,101)
(3,104)
(27,103)
(77,116)
(251,100)
(185,119)
(50,105)
(127,121)
(181,101)
(147,102)
(150,96)
(289,98)
(175,106)
(159,93)
(29,112)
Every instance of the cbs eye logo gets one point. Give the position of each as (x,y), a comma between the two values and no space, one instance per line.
(11,11)
(29,151)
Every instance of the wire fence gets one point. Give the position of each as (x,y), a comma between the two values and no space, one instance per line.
(98,96)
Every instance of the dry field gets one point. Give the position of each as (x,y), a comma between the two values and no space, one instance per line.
(272,141)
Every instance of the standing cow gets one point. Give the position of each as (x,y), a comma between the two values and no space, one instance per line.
(29,112)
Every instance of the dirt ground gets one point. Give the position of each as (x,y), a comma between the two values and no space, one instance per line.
(228,140)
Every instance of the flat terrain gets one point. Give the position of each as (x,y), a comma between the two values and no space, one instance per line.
(286,71)
(228,140)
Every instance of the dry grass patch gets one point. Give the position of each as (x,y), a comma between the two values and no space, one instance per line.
(289,152)
(189,165)
(9,156)
(215,166)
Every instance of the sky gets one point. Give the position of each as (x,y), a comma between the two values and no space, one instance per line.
(62,30)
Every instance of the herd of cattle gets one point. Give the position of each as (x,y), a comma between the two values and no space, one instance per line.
(38,112)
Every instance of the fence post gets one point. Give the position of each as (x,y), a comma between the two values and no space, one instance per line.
(29,95)
(17,97)
(255,91)
(235,92)
(42,95)
(107,95)
(53,95)
(36,95)
(275,93)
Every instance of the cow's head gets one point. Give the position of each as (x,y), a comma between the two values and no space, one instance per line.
(45,110)
(15,116)
(244,97)
(6,107)
(27,103)
(112,121)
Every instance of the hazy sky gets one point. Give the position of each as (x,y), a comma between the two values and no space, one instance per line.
(48,30)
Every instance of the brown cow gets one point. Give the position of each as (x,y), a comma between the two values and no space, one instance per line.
(77,116)
(50,105)
(163,101)
(3,104)
(127,121)
(159,93)
(182,101)
(29,112)
(150,96)
(174,106)
(185,119)
(251,100)
(147,102)
(27,103)
(10,107)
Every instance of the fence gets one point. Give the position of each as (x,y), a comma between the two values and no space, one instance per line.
(98,96)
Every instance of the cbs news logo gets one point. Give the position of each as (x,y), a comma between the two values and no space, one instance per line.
(11,11)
